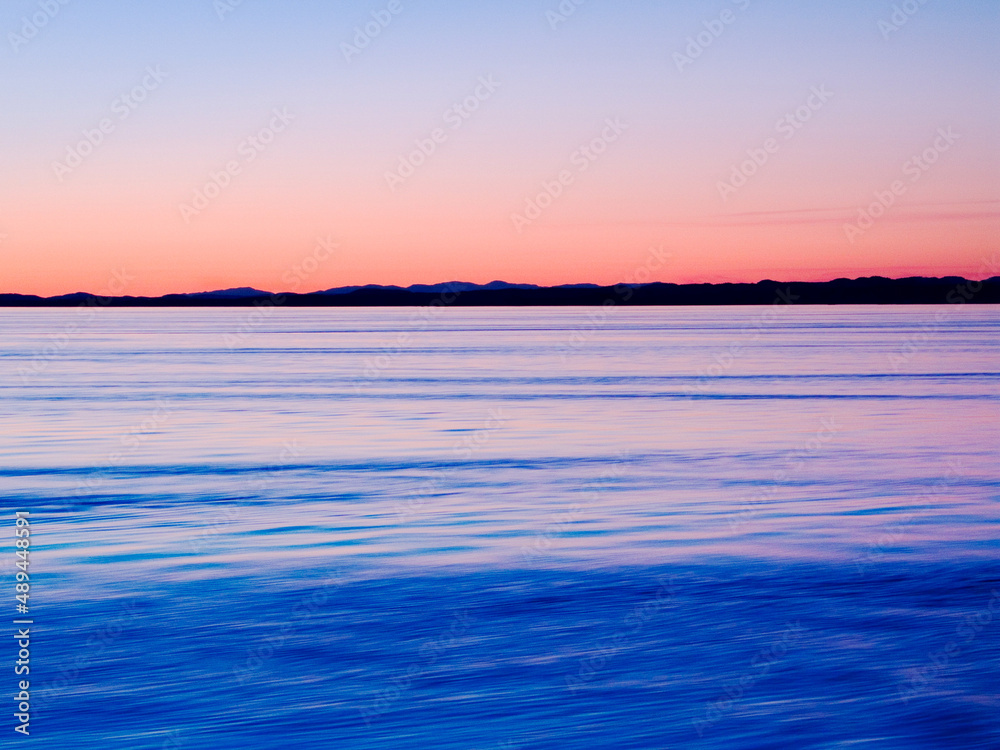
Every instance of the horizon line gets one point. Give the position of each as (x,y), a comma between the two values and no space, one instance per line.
(497,286)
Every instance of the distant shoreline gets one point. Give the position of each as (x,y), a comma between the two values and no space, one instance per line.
(864,291)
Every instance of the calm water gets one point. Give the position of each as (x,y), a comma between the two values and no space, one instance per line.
(508,528)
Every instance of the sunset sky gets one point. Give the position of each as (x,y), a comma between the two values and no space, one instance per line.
(198,145)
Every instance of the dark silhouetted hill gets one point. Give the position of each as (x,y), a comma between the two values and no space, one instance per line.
(875,290)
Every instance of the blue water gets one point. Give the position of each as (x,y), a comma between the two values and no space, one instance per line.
(500,529)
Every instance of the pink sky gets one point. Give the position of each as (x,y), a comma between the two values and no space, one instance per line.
(754,161)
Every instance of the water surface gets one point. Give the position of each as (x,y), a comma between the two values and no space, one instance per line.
(509,528)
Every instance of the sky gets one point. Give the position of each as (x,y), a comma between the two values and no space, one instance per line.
(151,148)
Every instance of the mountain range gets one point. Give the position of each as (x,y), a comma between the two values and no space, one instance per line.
(868,290)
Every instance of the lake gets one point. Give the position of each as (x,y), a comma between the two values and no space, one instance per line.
(508,528)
